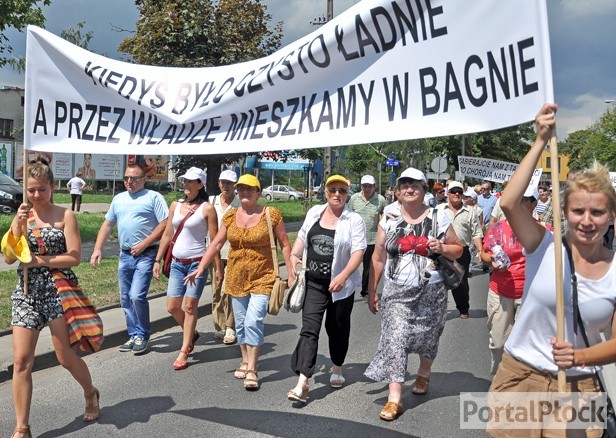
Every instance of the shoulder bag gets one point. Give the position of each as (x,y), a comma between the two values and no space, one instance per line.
(451,271)
(578,323)
(277,294)
(84,324)
(169,253)
(294,297)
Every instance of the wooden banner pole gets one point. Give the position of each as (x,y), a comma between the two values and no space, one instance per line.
(558,254)
(25,199)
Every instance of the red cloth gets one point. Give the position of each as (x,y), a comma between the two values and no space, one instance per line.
(508,283)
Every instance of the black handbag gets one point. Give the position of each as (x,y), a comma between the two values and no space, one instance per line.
(610,421)
(451,271)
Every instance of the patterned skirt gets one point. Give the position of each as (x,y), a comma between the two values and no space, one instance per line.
(412,321)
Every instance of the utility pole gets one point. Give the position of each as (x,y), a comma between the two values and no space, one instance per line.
(327,151)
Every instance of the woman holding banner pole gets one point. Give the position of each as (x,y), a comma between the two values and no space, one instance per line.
(532,354)
(35,302)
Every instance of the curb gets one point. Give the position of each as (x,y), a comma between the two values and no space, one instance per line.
(48,359)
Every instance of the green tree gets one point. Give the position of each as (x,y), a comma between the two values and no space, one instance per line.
(202,33)
(76,35)
(597,142)
(18,14)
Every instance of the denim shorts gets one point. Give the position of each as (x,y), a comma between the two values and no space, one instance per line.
(177,273)
(249,312)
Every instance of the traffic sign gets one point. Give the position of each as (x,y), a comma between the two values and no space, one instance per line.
(393,163)
(435,176)
(439,164)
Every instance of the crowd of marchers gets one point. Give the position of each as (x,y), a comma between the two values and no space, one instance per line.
(399,239)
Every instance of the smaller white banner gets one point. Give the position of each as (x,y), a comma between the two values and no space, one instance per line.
(492,170)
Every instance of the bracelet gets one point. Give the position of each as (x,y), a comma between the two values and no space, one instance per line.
(157,261)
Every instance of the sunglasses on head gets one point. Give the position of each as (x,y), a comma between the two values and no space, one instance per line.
(336,189)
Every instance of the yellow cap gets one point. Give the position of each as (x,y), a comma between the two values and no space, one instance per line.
(337,178)
(248,180)
(16,248)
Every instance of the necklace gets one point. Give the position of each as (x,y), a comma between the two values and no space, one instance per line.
(248,218)
(333,218)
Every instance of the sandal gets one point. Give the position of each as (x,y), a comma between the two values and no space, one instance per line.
(181,364)
(421,385)
(251,384)
(92,410)
(230,337)
(336,381)
(23,430)
(191,347)
(390,411)
(295,396)
(240,372)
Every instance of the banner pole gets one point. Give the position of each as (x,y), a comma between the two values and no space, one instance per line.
(558,255)
(25,198)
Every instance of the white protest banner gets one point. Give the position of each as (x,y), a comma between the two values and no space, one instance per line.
(492,170)
(383,70)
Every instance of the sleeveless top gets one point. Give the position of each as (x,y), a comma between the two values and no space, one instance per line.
(191,241)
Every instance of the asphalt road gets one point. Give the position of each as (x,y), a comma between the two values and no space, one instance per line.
(142,396)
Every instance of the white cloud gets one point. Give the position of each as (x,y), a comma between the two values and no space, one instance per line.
(586,9)
(580,114)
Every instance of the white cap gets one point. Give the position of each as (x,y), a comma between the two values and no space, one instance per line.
(194,173)
(531,191)
(368,179)
(471,193)
(228,175)
(413,173)
(455,184)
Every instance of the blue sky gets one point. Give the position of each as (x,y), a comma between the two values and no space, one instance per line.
(582,39)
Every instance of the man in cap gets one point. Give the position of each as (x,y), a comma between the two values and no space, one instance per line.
(141,215)
(469,197)
(369,205)
(222,310)
(468,229)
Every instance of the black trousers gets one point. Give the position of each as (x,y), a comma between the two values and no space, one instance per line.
(365,275)
(461,293)
(76,201)
(318,301)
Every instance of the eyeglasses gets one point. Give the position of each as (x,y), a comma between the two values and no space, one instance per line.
(132,178)
(440,192)
(333,190)
(456,192)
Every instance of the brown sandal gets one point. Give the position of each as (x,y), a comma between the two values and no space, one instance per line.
(251,384)
(23,430)
(92,410)
(391,411)
(421,385)
(240,372)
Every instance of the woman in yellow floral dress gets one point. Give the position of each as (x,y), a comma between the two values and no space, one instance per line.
(250,270)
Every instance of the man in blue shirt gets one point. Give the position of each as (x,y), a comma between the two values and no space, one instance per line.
(486,201)
(141,215)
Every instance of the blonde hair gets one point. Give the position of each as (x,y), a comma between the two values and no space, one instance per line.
(39,169)
(594,179)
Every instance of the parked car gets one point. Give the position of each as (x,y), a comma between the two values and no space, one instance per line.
(11,194)
(282,192)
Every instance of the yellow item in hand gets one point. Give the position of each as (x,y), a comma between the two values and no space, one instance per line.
(16,248)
